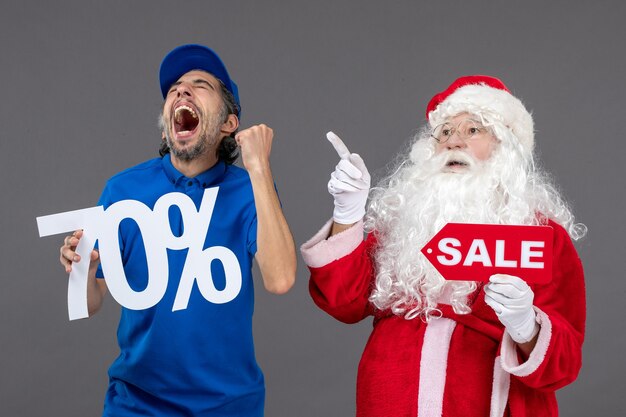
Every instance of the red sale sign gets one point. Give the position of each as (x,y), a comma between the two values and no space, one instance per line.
(474,252)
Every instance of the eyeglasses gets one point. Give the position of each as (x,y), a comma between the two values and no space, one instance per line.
(466,129)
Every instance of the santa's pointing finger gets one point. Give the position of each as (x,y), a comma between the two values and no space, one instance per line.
(340,147)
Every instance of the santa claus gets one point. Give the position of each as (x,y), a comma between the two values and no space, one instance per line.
(452,348)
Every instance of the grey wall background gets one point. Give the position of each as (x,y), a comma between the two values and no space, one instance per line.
(80,101)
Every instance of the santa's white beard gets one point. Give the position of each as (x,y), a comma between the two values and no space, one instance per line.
(418,200)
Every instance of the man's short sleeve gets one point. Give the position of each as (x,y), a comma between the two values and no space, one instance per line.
(251,238)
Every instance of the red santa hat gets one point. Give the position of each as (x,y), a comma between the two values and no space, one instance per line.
(485,97)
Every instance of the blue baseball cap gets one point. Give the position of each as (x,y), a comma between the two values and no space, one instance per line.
(185,58)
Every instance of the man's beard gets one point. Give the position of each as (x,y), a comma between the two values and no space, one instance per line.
(209,136)
(419,199)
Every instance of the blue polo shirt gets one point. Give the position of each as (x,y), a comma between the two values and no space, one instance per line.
(198,361)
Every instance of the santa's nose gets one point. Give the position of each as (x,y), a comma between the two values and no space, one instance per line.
(455,141)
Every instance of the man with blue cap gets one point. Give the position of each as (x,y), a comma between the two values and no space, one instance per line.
(196,361)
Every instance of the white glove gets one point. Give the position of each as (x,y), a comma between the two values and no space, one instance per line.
(512,300)
(349,184)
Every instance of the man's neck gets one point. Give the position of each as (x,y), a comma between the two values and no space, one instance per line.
(196,166)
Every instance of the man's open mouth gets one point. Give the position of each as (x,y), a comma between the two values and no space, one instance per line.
(185,120)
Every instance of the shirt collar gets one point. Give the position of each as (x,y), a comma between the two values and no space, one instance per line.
(206,178)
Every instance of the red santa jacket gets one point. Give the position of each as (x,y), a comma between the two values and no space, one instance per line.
(455,365)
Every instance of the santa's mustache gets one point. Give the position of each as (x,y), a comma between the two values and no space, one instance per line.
(453,157)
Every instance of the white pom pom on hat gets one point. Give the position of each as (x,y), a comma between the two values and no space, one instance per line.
(485,96)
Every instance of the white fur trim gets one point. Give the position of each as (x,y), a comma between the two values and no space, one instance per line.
(500,389)
(433,366)
(321,250)
(510,362)
(491,103)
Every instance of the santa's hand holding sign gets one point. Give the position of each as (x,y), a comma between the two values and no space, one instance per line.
(512,300)
(456,347)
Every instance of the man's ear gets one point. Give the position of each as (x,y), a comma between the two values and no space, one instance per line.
(230,125)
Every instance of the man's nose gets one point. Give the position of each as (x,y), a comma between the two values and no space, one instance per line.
(183,89)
